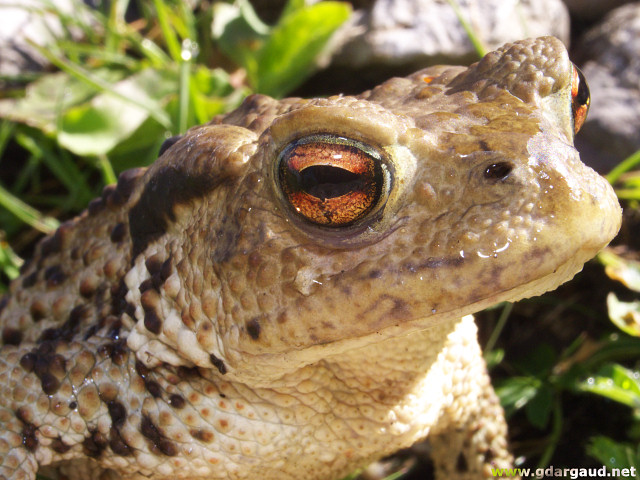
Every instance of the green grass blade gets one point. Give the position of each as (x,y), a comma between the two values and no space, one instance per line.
(477,43)
(189,51)
(114,24)
(61,166)
(100,85)
(623,167)
(26,213)
(9,262)
(291,50)
(170,37)
(108,175)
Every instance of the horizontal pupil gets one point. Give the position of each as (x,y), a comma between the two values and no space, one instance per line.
(325,181)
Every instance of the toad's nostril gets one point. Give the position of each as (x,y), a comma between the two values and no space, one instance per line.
(498,171)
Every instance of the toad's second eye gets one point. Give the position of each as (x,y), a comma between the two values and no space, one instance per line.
(580,98)
(330,181)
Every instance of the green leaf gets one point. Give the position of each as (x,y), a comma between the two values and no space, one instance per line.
(140,148)
(539,362)
(239,32)
(625,315)
(97,127)
(613,454)
(618,268)
(615,382)
(539,407)
(516,392)
(93,80)
(212,94)
(290,52)
(45,98)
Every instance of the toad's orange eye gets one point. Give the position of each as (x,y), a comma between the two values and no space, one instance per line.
(330,181)
(580,99)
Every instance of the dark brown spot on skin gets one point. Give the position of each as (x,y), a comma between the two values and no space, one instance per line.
(219,364)
(489,456)
(29,439)
(142,369)
(153,264)
(253,328)
(188,372)
(117,443)
(373,274)
(118,232)
(165,270)
(30,280)
(169,186)
(158,440)
(118,300)
(58,446)
(177,401)
(88,287)
(461,463)
(147,284)
(11,336)
(153,388)
(117,412)
(130,309)
(152,321)
(28,362)
(202,435)
(38,310)
(95,444)
(119,352)
(68,330)
(50,383)
(54,276)
(47,365)
(114,329)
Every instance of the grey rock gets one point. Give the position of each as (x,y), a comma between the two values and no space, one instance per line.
(592,9)
(422,32)
(611,54)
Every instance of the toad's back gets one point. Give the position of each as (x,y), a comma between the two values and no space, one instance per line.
(285,291)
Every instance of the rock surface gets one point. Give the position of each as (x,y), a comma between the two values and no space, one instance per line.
(611,53)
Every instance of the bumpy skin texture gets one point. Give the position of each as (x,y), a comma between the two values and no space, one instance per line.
(191,324)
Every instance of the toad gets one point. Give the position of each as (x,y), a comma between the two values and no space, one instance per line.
(286,292)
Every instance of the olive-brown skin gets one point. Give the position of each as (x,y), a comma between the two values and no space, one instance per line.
(214,317)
